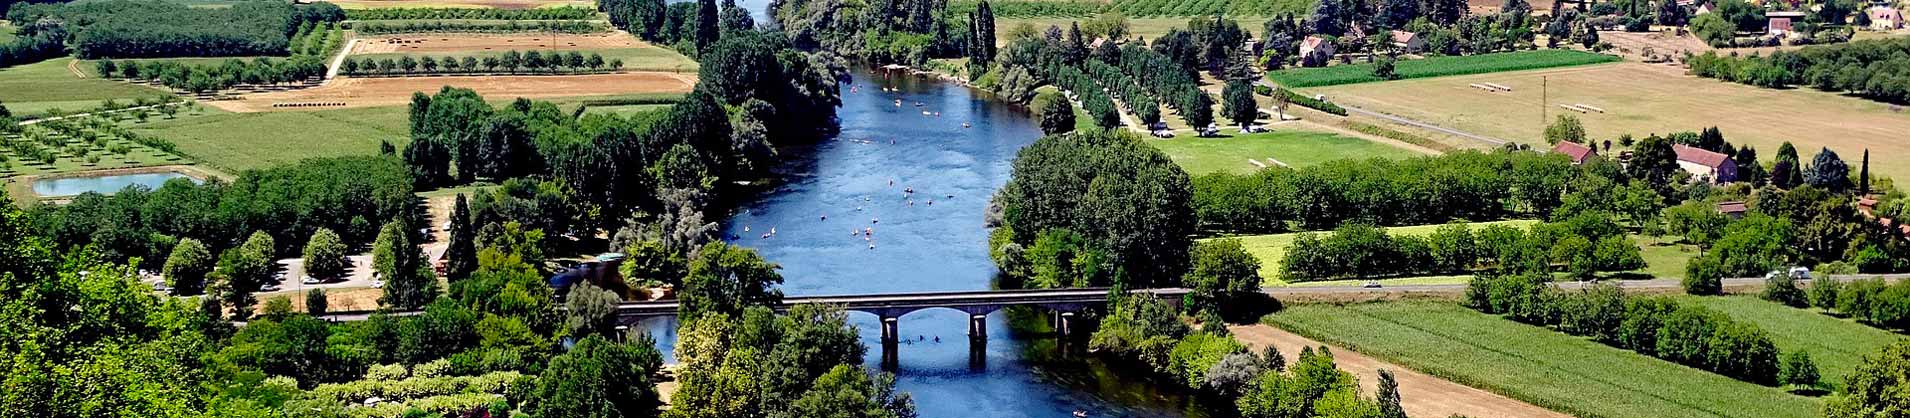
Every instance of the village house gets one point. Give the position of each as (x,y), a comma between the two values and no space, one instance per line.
(1780,23)
(1706,165)
(1885,18)
(1576,151)
(1732,208)
(1408,42)
(1316,49)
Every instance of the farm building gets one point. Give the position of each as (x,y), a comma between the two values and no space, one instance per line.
(1316,49)
(1706,165)
(1408,42)
(1577,152)
(1885,18)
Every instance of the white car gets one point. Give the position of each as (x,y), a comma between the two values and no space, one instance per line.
(269,287)
(310,280)
(377,284)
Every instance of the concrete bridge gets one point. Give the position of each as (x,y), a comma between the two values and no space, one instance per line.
(1064,303)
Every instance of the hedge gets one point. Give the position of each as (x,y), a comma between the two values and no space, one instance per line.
(1302,100)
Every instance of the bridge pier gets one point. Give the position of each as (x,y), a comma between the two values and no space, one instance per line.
(891,334)
(1064,324)
(978,327)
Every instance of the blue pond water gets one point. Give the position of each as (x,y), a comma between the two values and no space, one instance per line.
(928,247)
(103,184)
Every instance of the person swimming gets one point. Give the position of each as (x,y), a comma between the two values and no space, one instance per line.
(825,216)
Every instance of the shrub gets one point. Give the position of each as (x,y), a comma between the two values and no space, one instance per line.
(1798,370)
(1704,276)
(1782,288)
(1195,354)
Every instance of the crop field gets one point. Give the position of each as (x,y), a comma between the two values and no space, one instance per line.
(1640,100)
(76,144)
(239,141)
(1537,365)
(394,91)
(1230,152)
(37,87)
(1270,248)
(442,43)
(1438,67)
(1837,345)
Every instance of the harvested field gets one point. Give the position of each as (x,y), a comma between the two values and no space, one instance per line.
(362,92)
(1642,99)
(1422,395)
(443,43)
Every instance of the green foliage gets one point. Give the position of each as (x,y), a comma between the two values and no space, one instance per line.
(590,310)
(1438,67)
(1713,29)
(1195,354)
(1381,192)
(1703,276)
(1782,288)
(760,364)
(726,279)
(1054,111)
(325,255)
(1223,272)
(1300,390)
(1119,194)
(848,390)
(1871,389)
(316,303)
(1302,100)
(293,347)
(1798,370)
(187,267)
(1237,103)
(462,13)
(599,379)
(1142,328)
(1566,129)
(150,29)
(409,281)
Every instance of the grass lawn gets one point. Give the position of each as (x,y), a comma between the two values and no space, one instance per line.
(647,58)
(1641,99)
(1663,256)
(1406,281)
(1537,365)
(1837,345)
(1438,67)
(1271,248)
(1296,148)
(36,87)
(240,141)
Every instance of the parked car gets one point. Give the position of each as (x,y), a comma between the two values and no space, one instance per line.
(377,284)
(1371,284)
(1801,273)
(161,287)
(269,287)
(310,280)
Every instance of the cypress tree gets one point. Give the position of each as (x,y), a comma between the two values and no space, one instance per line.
(1863,176)
(983,49)
(707,30)
(460,256)
(1388,396)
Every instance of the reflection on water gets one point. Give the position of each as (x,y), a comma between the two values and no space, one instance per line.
(109,184)
(845,222)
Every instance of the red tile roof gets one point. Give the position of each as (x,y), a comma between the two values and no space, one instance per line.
(1700,156)
(1401,36)
(1312,42)
(1780,24)
(1577,152)
(1731,207)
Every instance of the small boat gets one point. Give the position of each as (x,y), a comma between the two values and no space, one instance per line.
(1080,414)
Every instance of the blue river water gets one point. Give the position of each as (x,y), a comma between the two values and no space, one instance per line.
(833,190)
(102,184)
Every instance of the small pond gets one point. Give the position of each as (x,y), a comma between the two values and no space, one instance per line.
(107,184)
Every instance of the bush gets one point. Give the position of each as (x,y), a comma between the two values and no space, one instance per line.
(1782,288)
(1703,277)
(1798,370)
(1197,353)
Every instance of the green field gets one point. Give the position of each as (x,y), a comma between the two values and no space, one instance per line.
(36,87)
(1537,365)
(239,141)
(1438,67)
(1230,152)
(1836,345)
(1271,248)
(6,33)
(91,67)
(634,59)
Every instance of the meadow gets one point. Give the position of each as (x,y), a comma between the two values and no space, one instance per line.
(1835,344)
(1438,67)
(1640,100)
(38,87)
(1271,248)
(1533,364)
(1230,152)
(233,142)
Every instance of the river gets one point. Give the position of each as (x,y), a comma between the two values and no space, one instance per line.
(932,241)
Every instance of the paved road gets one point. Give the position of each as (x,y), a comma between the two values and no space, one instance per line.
(1653,284)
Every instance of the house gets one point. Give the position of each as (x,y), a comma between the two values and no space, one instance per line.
(1316,49)
(1576,151)
(1885,18)
(1780,23)
(1408,42)
(1733,209)
(1703,9)
(1706,165)
(1867,205)
(1098,41)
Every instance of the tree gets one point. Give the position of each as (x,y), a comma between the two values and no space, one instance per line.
(187,267)
(325,255)
(1828,172)
(1863,176)
(1124,196)
(725,279)
(599,379)
(1713,29)
(1566,128)
(982,46)
(707,25)
(848,391)
(1703,276)
(1237,98)
(1384,67)
(1388,396)
(1670,13)
(1653,161)
(316,303)
(591,311)
(409,282)
(1782,288)
(1798,370)
(1222,272)
(1871,389)
(460,254)
(1055,112)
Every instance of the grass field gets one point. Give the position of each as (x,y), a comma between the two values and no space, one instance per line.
(91,67)
(1836,345)
(1271,248)
(36,87)
(1537,365)
(1293,147)
(634,59)
(624,110)
(1663,256)
(6,33)
(239,141)
(1438,67)
(1640,100)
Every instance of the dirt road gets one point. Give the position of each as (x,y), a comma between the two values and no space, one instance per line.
(1423,396)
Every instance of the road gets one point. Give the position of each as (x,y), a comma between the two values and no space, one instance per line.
(1653,284)
(332,70)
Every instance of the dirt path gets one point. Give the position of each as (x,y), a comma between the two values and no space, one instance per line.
(74,66)
(1424,396)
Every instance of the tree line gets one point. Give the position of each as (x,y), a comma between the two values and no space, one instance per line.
(1583,245)
(510,61)
(513,26)
(471,13)
(135,29)
(1875,68)
(34,41)
(209,78)
(1422,190)
(1682,333)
